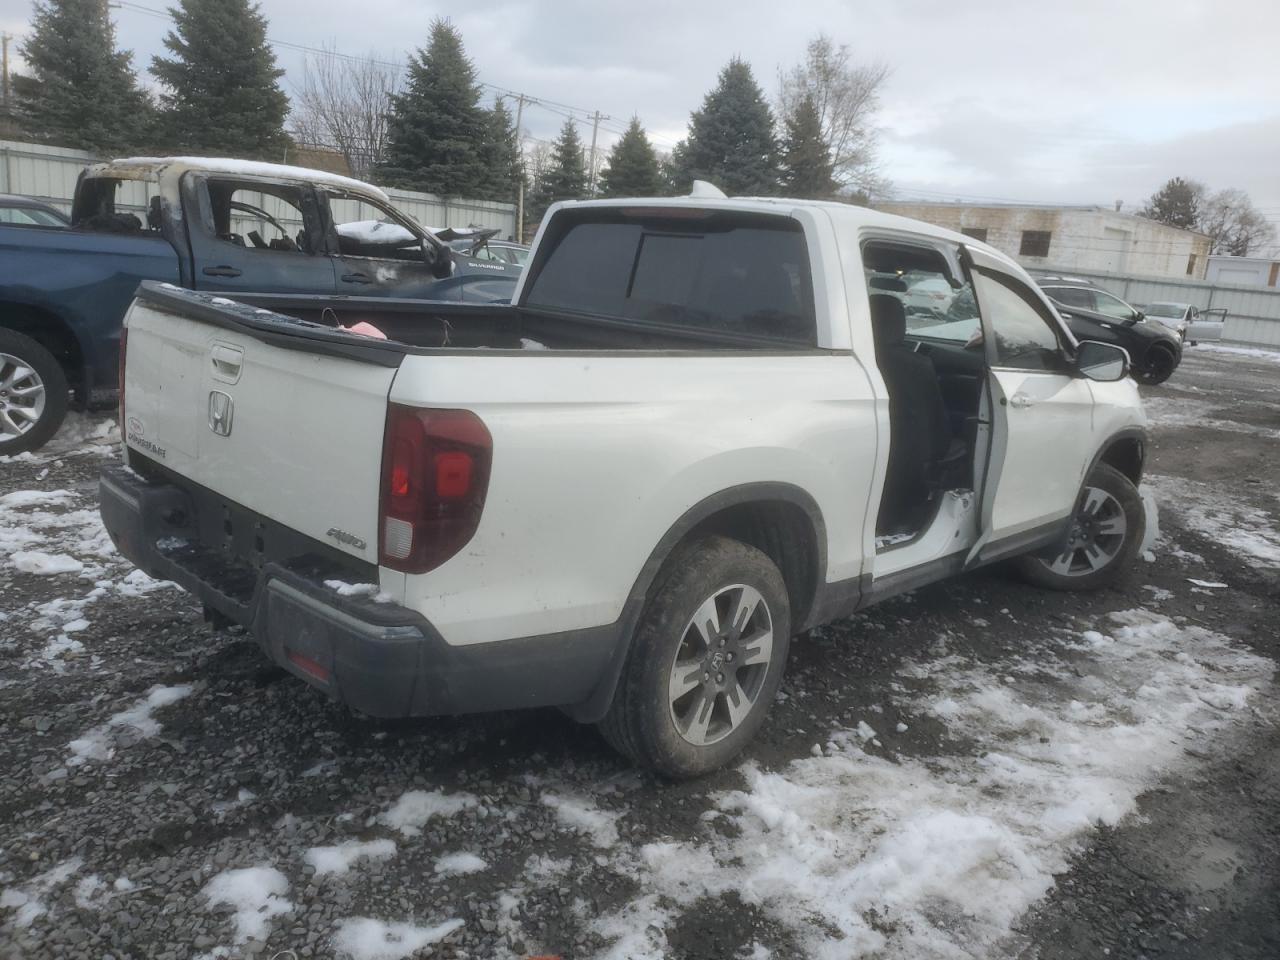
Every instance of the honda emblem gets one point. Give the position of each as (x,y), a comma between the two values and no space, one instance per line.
(220,411)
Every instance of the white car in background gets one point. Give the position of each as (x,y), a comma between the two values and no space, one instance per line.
(927,293)
(1188,321)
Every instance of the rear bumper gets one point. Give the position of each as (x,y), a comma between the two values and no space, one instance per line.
(380,658)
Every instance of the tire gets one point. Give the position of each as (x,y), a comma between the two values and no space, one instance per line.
(1109,525)
(1158,367)
(33,394)
(659,716)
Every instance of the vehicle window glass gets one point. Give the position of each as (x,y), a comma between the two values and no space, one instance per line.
(1081,297)
(1024,333)
(726,273)
(1113,306)
(921,279)
(260,216)
(28,217)
(517,255)
(367,229)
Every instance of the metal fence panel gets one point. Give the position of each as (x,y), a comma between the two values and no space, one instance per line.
(50,173)
(1253,313)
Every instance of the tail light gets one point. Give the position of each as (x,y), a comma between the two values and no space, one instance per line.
(435,474)
(124,341)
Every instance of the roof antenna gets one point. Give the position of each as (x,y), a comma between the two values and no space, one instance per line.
(707,191)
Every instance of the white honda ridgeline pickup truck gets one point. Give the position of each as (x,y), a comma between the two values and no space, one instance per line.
(703,426)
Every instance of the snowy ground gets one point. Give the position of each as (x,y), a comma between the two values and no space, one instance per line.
(979,769)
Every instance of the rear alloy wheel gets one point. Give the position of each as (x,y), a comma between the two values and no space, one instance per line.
(1104,536)
(1160,364)
(33,394)
(706,660)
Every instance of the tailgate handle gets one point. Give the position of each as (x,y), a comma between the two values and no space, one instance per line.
(221,271)
(227,362)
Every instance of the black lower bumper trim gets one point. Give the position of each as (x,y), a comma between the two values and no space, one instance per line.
(380,658)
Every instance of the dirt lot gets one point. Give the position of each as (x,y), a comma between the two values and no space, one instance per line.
(979,769)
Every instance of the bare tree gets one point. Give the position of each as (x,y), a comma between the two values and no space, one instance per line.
(1234,225)
(847,95)
(342,103)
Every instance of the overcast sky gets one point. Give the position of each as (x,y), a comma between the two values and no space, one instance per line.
(1002,99)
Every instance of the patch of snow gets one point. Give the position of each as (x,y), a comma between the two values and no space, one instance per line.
(45,564)
(527,344)
(363,938)
(1237,526)
(411,812)
(1207,584)
(1179,412)
(380,232)
(344,589)
(338,859)
(28,900)
(249,168)
(1255,352)
(99,743)
(949,871)
(460,863)
(222,301)
(256,894)
(581,815)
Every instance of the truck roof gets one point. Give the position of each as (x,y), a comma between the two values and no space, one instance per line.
(133,168)
(844,215)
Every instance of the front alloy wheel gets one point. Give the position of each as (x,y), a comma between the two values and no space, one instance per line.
(1101,541)
(1096,537)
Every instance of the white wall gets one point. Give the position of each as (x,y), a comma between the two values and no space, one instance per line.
(1080,238)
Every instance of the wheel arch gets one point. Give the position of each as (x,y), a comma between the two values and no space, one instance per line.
(780,519)
(53,332)
(1126,450)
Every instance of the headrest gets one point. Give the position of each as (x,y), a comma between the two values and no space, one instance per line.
(888,319)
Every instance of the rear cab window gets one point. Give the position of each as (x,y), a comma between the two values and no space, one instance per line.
(738,277)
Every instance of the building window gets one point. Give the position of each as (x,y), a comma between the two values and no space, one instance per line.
(978,233)
(1191,265)
(1035,243)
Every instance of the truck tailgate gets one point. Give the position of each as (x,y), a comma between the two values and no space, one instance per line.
(292,434)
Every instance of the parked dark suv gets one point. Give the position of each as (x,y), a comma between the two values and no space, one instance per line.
(1096,314)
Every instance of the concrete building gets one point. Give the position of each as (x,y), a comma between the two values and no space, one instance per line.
(1244,271)
(1066,238)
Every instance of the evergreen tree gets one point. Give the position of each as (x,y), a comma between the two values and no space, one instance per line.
(501,155)
(632,169)
(81,91)
(807,170)
(564,177)
(1177,203)
(731,140)
(437,132)
(222,84)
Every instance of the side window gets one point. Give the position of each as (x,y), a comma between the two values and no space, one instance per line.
(919,278)
(261,216)
(367,229)
(1073,297)
(1113,306)
(1025,335)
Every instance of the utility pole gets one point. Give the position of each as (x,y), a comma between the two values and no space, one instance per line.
(595,128)
(4,72)
(520,98)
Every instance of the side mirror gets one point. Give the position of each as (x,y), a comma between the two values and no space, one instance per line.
(1104,362)
(1138,316)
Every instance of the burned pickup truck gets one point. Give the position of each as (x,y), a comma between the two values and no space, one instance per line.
(206,224)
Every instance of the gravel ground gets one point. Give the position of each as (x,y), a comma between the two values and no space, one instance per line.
(977,769)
